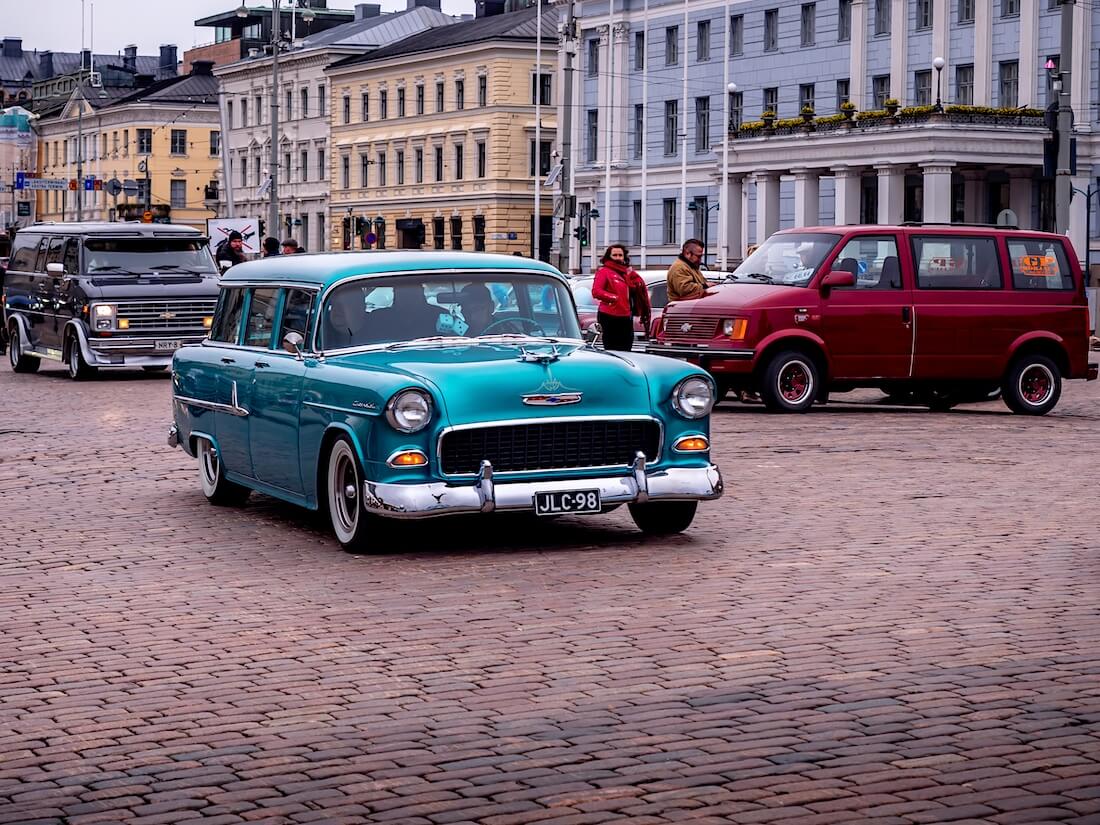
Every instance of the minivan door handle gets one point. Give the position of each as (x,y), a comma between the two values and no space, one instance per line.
(229,360)
(906,314)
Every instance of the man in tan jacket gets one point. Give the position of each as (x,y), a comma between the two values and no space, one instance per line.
(685,281)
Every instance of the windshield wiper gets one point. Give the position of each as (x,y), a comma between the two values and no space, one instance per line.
(112,268)
(195,270)
(757,276)
(434,339)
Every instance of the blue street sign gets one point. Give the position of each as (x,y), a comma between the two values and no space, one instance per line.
(513,236)
(89,184)
(20,179)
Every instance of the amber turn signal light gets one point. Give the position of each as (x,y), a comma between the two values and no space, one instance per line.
(736,328)
(692,444)
(408,458)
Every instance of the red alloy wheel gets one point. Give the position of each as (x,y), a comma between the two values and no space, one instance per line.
(794,382)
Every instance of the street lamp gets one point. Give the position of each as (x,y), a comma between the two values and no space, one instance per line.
(731,90)
(938,65)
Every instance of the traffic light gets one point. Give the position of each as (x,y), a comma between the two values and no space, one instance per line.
(581,234)
(263,227)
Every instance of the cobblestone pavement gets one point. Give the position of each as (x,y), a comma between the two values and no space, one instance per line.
(892,617)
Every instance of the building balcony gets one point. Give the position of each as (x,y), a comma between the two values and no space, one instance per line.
(892,116)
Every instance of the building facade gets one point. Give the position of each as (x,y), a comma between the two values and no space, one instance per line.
(164,139)
(305,117)
(943,120)
(434,139)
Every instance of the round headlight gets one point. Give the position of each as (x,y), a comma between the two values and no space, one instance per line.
(409,411)
(693,398)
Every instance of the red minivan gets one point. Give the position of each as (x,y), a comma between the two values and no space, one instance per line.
(941,314)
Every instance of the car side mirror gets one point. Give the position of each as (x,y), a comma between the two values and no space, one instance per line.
(55,269)
(838,277)
(292,343)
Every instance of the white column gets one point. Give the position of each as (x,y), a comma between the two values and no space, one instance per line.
(1082,60)
(1029,53)
(846,187)
(941,47)
(937,192)
(767,204)
(807,197)
(733,206)
(891,193)
(857,55)
(899,49)
(1020,185)
(1078,219)
(983,52)
(620,49)
(973,197)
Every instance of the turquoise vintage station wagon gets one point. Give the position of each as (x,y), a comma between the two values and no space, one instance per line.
(390,385)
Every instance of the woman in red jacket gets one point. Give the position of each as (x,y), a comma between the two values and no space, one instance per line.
(621,293)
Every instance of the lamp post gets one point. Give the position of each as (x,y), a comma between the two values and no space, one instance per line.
(938,65)
(723,193)
(694,208)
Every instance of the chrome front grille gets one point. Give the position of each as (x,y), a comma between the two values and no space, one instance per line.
(549,445)
(165,316)
(691,327)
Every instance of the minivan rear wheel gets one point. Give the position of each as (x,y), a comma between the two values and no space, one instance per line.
(791,383)
(1033,385)
(20,361)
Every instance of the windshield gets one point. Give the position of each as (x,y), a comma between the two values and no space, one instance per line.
(582,293)
(401,309)
(789,258)
(141,255)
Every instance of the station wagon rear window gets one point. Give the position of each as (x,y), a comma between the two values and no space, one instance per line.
(956,262)
(1039,263)
(138,255)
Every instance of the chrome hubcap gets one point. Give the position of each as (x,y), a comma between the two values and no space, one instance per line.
(344,492)
(1036,385)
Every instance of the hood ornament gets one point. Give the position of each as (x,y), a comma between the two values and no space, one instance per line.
(551,392)
(539,356)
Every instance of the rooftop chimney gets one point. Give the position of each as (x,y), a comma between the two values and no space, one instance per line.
(45,64)
(86,59)
(202,67)
(129,57)
(488,8)
(365,10)
(13,47)
(430,4)
(167,65)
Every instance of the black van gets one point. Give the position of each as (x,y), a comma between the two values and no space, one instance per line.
(96,295)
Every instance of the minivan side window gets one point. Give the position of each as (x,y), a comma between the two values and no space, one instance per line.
(956,262)
(227,319)
(56,252)
(1039,263)
(260,325)
(71,259)
(24,252)
(873,259)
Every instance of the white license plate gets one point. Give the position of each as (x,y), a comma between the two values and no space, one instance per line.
(167,346)
(567,501)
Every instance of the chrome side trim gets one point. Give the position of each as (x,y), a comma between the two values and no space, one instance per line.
(232,408)
(346,410)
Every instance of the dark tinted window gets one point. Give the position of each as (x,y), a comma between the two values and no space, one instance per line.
(955,262)
(56,251)
(143,254)
(227,318)
(261,318)
(71,258)
(295,313)
(24,251)
(1039,263)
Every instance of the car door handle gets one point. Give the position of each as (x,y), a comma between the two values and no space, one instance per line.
(906,314)
(229,360)
(262,364)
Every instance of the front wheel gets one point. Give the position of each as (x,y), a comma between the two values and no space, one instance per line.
(353,526)
(215,487)
(663,518)
(20,361)
(790,383)
(1032,386)
(79,369)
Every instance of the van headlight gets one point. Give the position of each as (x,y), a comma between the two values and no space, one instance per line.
(103,316)
(693,397)
(409,411)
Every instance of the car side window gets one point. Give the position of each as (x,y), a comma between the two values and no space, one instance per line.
(1039,263)
(227,318)
(23,253)
(956,262)
(296,308)
(873,259)
(56,252)
(658,296)
(260,325)
(71,257)
(40,261)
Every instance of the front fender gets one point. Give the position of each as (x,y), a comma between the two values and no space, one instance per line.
(77,329)
(779,337)
(20,324)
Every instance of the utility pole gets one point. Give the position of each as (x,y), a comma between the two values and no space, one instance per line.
(1063,184)
(80,124)
(569,202)
(273,208)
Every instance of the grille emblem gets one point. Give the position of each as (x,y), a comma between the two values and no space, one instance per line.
(552,399)
(168,316)
(685,327)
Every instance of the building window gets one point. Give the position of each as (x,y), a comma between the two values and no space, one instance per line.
(420,98)
(322,102)
(381,168)
(479,233)
(592,146)
(144,141)
(639,129)
(144,194)
(1010,8)
(481,159)
(668,220)
(400,168)
(482,91)
(383,104)
(924,14)
(303,169)
(364,170)
(843,92)
(700,218)
(364,104)
(244,171)
(303,230)
(806,94)
(844,21)
(922,87)
(438,164)
(418,165)
(592,64)
(259,109)
(460,161)
(439,96)
(322,168)
(636,212)
(771,30)
(771,99)
(672,45)
(215,142)
(287,167)
(882,16)
(639,51)
(809,24)
(702,40)
(345,172)
(179,194)
(288,106)
(702,124)
(1010,84)
(347,109)
(179,141)
(737,109)
(880,89)
(966,11)
(672,125)
(544,158)
(460,94)
(303,105)
(737,34)
(228,114)
(437,233)
(456,233)
(540,86)
(400,102)
(321,230)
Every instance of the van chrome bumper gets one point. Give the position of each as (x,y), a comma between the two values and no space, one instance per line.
(701,351)
(487,495)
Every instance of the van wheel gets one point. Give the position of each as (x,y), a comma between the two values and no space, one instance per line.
(663,518)
(790,383)
(354,527)
(78,367)
(20,362)
(217,490)
(1032,386)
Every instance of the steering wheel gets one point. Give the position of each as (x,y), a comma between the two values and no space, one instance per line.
(534,325)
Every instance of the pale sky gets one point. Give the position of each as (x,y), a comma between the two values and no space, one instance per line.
(112,24)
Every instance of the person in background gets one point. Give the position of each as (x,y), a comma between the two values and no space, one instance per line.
(232,249)
(290,247)
(685,281)
(271,247)
(612,288)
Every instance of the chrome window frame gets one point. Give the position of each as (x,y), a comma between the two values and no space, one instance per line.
(277,347)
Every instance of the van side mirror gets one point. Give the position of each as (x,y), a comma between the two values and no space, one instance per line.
(838,277)
(292,343)
(55,269)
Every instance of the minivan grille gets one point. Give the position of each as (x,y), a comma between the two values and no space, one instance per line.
(698,327)
(554,445)
(166,315)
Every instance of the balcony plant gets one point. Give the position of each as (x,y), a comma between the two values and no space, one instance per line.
(847,109)
(891,105)
(768,117)
(807,113)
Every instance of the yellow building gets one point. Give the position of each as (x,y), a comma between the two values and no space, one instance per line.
(163,137)
(433,138)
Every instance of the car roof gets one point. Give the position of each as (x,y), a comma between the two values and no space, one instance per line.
(326,268)
(115,229)
(922,228)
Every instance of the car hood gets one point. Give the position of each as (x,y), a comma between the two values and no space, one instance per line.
(477,382)
(742,296)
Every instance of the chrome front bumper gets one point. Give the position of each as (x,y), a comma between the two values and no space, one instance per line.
(485,494)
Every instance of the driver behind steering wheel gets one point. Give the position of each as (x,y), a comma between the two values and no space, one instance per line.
(477,308)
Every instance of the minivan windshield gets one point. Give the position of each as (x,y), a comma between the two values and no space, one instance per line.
(138,256)
(788,258)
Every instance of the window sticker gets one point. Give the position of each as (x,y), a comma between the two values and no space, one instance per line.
(947,266)
(1038,266)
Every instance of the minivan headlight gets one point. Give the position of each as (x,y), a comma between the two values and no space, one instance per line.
(409,411)
(103,316)
(693,397)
